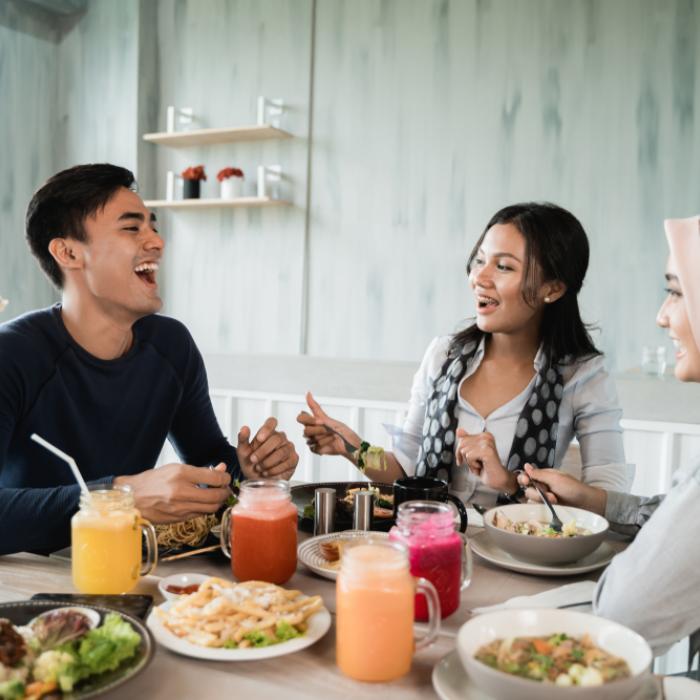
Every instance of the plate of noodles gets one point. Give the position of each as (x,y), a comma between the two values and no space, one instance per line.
(227,621)
(186,535)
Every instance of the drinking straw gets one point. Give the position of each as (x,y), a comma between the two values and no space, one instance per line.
(66,458)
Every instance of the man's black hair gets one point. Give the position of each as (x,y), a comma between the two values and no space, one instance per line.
(60,207)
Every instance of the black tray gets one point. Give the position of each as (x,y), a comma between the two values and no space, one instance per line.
(21,612)
(303,495)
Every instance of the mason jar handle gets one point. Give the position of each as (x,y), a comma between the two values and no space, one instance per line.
(428,590)
(225,534)
(466,563)
(461,510)
(149,534)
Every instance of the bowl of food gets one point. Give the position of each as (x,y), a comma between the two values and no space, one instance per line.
(522,529)
(172,587)
(542,654)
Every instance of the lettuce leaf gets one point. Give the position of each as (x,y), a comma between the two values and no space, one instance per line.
(101,649)
(12,690)
(258,638)
(284,631)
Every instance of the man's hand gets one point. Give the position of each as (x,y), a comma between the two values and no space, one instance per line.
(170,493)
(269,455)
(479,453)
(562,488)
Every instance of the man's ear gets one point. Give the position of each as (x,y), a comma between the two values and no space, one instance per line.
(552,291)
(66,252)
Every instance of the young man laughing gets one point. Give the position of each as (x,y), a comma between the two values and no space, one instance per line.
(105,379)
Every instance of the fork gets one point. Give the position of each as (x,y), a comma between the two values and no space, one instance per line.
(349,447)
(554,523)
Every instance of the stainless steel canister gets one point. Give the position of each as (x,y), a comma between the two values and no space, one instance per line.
(363,510)
(324,511)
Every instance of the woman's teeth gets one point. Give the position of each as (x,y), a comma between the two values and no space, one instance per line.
(486,301)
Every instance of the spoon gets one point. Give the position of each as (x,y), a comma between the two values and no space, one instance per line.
(555,523)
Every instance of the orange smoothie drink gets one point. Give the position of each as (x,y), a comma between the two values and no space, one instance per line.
(106,541)
(259,533)
(374,612)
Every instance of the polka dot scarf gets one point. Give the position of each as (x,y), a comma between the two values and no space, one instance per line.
(535,436)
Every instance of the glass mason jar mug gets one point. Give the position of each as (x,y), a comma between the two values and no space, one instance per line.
(259,533)
(374,612)
(106,541)
(435,551)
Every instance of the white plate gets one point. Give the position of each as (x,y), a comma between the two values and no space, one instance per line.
(319,624)
(486,549)
(451,682)
(309,551)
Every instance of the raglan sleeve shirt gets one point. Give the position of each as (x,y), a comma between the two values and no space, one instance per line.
(112,417)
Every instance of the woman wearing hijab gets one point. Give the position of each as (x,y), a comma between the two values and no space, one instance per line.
(654,585)
(514,387)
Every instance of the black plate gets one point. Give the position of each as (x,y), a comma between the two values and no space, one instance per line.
(211,539)
(20,613)
(303,495)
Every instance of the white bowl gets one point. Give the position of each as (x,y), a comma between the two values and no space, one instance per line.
(606,634)
(546,550)
(179,580)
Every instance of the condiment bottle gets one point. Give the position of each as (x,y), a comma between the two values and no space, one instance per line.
(374,612)
(435,551)
(259,534)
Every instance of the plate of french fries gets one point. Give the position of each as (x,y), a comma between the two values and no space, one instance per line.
(227,621)
(323,554)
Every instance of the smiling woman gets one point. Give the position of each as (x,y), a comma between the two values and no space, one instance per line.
(652,585)
(517,385)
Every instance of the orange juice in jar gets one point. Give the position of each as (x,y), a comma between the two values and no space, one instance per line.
(106,541)
(259,533)
(374,612)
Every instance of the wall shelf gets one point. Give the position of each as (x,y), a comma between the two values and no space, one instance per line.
(214,203)
(203,137)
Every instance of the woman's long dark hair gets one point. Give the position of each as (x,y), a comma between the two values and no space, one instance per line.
(556,248)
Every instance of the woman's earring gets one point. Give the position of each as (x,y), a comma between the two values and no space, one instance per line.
(547,300)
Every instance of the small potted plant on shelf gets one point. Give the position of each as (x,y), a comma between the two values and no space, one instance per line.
(231,180)
(192,177)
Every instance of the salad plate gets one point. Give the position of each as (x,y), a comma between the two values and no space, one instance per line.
(310,552)
(22,612)
(319,623)
(492,553)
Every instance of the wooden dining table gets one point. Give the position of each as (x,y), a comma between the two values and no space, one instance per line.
(309,673)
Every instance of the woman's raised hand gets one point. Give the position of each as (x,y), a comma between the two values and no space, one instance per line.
(562,488)
(317,431)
